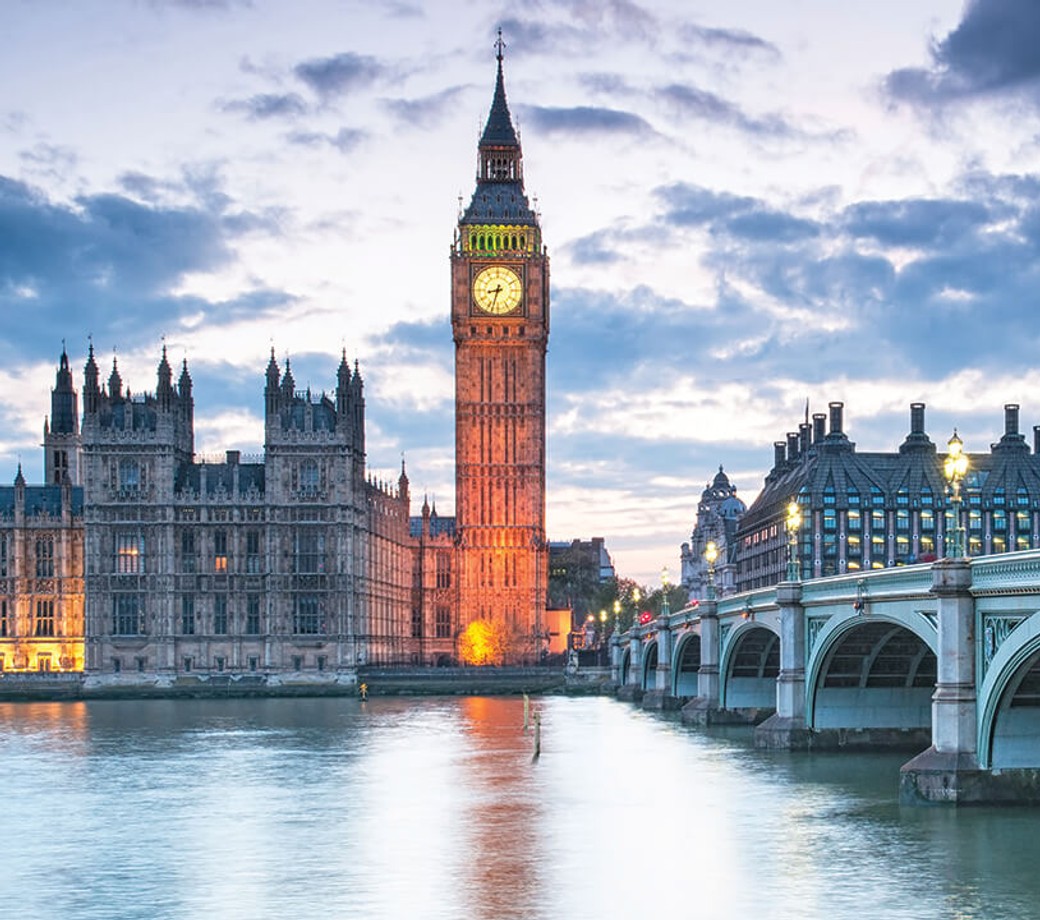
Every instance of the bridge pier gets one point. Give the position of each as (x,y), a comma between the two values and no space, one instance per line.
(786,730)
(632,690)
(660,697)
(949,771)
(703,709)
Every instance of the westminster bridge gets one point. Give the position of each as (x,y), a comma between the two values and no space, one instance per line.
(942,657)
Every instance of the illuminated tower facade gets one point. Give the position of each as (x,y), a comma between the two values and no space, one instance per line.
(500,322)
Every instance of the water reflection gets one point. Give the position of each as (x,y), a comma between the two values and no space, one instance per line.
(433,808)
(503,810)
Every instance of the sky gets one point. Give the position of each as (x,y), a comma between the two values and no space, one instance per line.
(747,205)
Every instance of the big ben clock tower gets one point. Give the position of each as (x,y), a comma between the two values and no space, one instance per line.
(500,322)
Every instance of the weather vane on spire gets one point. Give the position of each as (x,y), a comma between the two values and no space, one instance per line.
(500,46)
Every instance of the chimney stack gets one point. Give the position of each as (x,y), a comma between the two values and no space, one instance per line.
(836,417)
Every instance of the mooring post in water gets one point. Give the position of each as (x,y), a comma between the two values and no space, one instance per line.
(537,735)
(527,710)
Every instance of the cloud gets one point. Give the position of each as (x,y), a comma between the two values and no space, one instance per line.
(583,120)
(426,111)
(268,105)
(344,140)
(917,222)
(992,50)
(113,263)
(694,206)
(727,39)
(698,103)
(340,74)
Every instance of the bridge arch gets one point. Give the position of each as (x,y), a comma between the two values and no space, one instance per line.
(1009,701)
(872,672)
(648,679)
(686,663)
(749,668)
(626,664)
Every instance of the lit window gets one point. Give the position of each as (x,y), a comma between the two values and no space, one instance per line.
(129,553)
(220,551)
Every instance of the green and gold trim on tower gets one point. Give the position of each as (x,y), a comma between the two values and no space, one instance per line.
(496,238)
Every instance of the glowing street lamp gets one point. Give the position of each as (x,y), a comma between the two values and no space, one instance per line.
(617,615)
(794,524)
(665,609)
(954,468)
(711,553)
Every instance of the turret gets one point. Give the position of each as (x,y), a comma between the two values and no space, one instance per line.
(184,384)
(288,382)
(62,444)
(164,383)
(402,486)
(91,390)
(115,383)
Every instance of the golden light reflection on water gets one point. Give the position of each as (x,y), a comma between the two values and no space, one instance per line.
(504,808)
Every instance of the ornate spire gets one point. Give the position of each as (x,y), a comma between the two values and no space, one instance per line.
(499,196)
(499,131)
(184,384)
(164,385)
(115,382)
(288,381)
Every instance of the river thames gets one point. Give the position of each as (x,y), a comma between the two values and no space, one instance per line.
(435,808)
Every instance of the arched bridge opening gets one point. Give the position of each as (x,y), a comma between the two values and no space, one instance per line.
(626,665)
(876,675)
(1016,723)
(754,664)
(649,666)
(687,664)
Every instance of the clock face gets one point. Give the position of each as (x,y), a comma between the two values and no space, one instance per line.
(498,290)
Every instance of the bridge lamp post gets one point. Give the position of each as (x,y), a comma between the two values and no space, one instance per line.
(665,609)
(794,524)
(954,468)
(711,553)
(617,615)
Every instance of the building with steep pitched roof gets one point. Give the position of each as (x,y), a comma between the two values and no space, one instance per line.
(868,510)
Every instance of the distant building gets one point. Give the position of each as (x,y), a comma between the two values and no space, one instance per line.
(864,510)
(719,513)
(576,571)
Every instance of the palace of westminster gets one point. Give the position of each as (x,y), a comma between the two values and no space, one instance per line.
(135,561)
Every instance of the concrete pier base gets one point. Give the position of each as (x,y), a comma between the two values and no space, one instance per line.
(701,711)
(780,733)
(659,701)
(630,693)
(936,778)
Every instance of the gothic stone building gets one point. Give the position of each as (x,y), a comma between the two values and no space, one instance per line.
(294,564)
(139,560)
